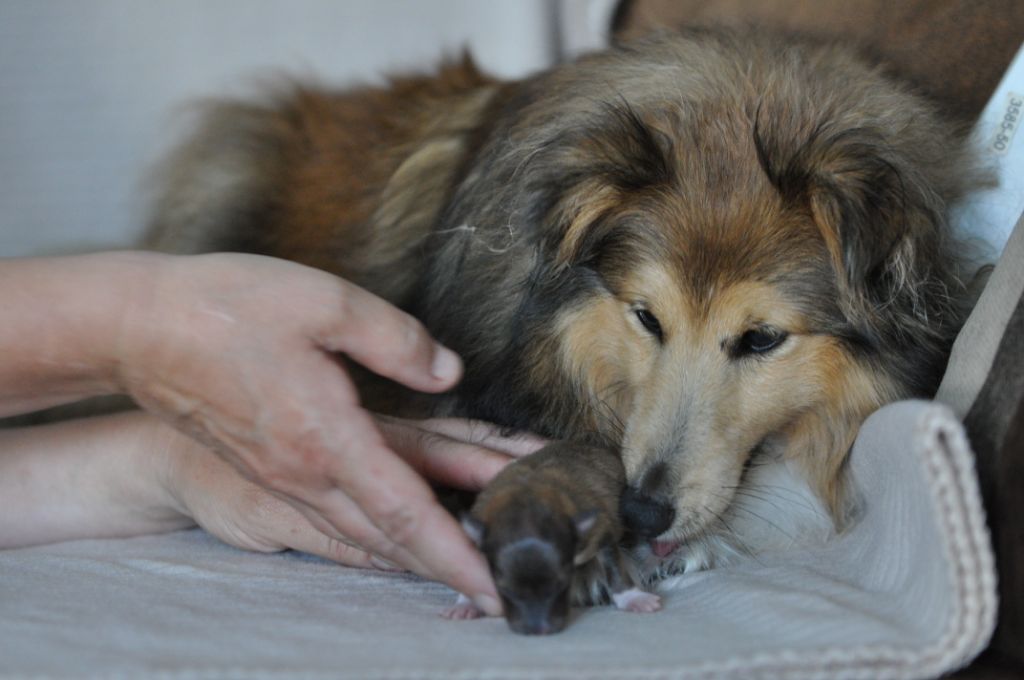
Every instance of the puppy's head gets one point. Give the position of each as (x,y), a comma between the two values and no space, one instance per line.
(766,262)
(532,545)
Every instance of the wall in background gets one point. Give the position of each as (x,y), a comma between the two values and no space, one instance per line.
(90,89)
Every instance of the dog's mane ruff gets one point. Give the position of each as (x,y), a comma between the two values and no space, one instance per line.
(552,193)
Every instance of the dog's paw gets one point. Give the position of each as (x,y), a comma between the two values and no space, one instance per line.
(462,609)
(636,600)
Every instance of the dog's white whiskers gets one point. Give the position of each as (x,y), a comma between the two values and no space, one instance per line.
(750,513)
(781,493)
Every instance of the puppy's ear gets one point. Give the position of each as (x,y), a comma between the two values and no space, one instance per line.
(474,528)
(584,523)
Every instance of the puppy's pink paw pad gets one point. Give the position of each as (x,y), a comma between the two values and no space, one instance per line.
(460,613)
(462,610)
(636,600)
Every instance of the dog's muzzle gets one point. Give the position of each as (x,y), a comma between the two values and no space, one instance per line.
(645,516)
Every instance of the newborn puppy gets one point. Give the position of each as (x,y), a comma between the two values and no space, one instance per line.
(549,527)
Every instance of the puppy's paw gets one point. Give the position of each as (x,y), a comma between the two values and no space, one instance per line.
(462,609)
(636,600)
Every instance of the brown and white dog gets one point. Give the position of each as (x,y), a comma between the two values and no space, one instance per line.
(717,251)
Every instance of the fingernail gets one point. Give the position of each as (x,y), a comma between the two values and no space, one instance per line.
(532,442)
(447,365)
(383,564)
(487,605)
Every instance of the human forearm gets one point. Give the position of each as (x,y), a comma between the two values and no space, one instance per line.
(131,474)
(92,478)
(241,352)
(61,325)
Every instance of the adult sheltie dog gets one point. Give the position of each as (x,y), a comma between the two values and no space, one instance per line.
(713,250)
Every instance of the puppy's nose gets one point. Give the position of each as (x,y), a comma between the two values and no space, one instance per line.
(643,515)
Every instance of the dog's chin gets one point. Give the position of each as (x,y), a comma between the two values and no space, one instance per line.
(669,555)
(677,551)
(682,534)
(660,559)
(775,510)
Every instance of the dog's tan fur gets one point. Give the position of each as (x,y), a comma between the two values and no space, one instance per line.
(736,187)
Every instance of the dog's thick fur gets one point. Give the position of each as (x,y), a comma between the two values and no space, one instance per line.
(712,249)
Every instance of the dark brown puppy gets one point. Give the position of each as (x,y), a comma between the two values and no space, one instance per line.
(717,251)
(549,527)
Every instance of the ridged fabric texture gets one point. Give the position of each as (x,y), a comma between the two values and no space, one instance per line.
(908,592)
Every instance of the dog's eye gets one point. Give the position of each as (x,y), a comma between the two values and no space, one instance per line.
(649,322)
(758,341)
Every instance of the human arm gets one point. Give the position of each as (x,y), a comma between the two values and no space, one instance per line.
(241,352)
(90,478)
(129,474)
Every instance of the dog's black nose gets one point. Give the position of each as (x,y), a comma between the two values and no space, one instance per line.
(644,516)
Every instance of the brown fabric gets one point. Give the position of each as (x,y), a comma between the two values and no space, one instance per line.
(995,424)
(954,50)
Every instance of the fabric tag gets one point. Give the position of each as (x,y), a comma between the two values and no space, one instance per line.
(987,217)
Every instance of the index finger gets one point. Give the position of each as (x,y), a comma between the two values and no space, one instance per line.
(488,435)
(403,507)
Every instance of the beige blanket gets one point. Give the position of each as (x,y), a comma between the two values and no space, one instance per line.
(908,592)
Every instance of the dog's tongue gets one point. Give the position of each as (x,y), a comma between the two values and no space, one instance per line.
(664,548)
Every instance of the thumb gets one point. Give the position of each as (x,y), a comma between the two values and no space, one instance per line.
(389,342)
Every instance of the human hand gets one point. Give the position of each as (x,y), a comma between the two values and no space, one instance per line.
(241,352)
(241,513)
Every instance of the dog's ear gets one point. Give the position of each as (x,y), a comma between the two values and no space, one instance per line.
(581,215)
(881,212)
(598,169)
(881,217)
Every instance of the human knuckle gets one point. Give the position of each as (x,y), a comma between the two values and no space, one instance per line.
(368,539)
(248,535)
(399,522)
(344,553)
(429,442)
(411,338)
(257,505)
(364,538)
(282,473)
(312,452)
(299,445)
(340,300)
(267,470)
